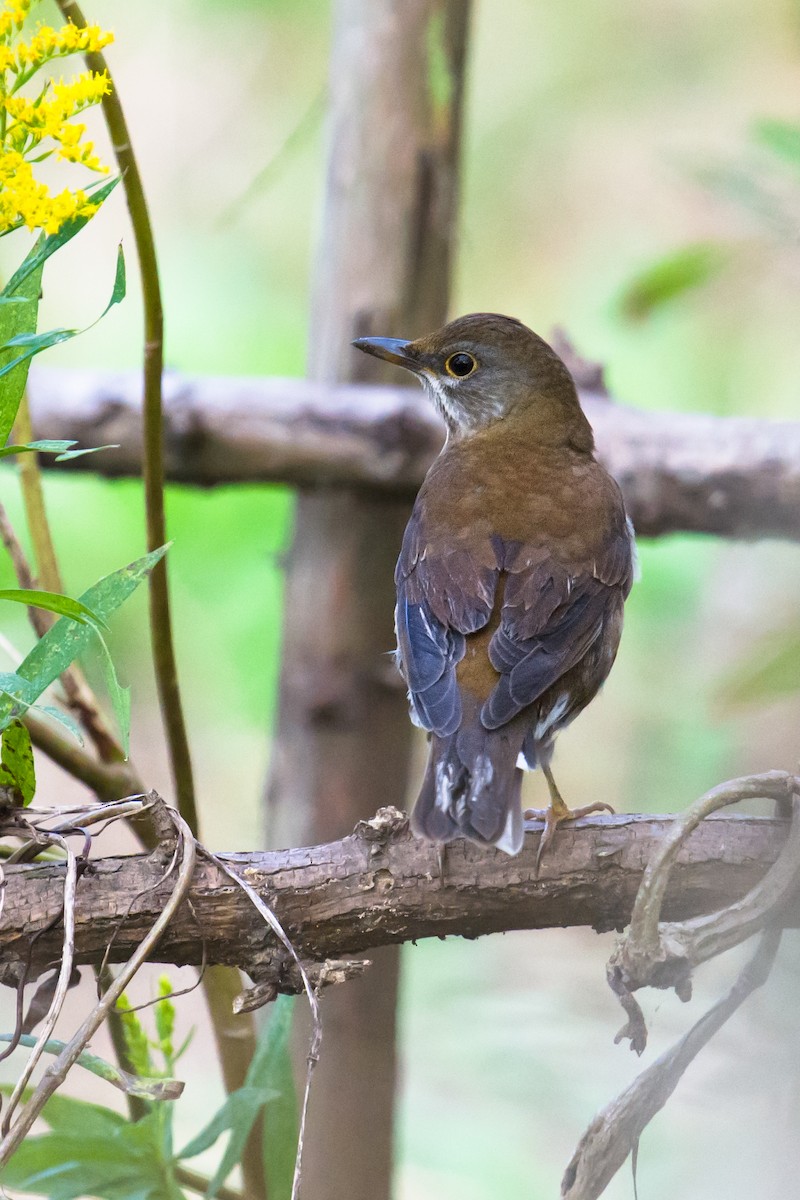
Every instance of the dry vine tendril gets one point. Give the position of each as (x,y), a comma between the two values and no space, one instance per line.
(663,955)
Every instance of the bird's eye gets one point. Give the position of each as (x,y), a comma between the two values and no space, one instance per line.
(460,365)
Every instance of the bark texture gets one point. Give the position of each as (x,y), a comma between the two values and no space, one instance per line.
(736,476)
(381,886)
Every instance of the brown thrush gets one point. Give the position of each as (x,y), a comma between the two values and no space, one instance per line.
(515,566)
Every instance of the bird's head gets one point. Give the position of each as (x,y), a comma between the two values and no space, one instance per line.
(484,368)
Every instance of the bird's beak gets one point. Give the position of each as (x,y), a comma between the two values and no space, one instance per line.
(393,350)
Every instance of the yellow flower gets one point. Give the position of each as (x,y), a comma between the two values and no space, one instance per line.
(41,125)
(49,43)
(13,16)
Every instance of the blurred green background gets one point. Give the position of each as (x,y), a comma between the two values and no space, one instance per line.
(598,140)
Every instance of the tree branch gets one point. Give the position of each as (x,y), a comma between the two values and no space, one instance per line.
(381,886)
(735,476)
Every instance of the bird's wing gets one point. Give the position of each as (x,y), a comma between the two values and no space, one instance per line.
(552,616)
(443,594)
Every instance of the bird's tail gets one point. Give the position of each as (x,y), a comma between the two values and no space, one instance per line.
(471,789)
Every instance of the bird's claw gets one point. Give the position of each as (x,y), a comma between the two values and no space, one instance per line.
(553,816)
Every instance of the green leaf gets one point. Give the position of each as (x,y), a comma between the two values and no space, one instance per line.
(63,718)
(46,246)
(280,1122)
(237,1114)
(33,343)
(66,1115)
(49,446)
(149,1087)
(67,455)
(672,276)
(65,606)
(53,447)
(16,318)
(61,449)
(120,696)
(269,1081)
(17,758)
(19,304)
(65,1167)
(124,1162)
(781,137)
(67,639)
(11,682)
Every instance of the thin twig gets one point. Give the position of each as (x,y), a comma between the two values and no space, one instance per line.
(316,1022)
(13,545)
(777,785)
(652,953)
(662,955)
(144,1087)
(64,976)
(616,1130)
(56,1072)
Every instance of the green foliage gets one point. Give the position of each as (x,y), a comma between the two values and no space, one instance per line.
(165,1019)
(237,1116)
(46,246)
(280,1127)
(61,449)
(68,638)
(17,770)
(148,1087)
(19,307)
(29,342)
(671,277)
(268,1082)
(19,310)
(120,696)
(137,1043)
(92,1150)
(781,137)
(53,602)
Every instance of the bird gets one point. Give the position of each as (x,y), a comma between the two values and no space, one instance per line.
(514,569)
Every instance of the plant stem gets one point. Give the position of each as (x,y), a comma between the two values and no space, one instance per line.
(199,1183)
(137,1105)
(30,477)
(160,617)
(232,1050)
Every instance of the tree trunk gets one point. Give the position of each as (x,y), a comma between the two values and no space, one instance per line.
(343,732)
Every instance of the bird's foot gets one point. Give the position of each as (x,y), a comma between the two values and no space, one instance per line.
(553,817)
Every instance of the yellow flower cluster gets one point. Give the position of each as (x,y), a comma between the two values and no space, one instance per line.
(28,122)
(25,201)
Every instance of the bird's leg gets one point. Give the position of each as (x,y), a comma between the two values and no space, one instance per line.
(557,811)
